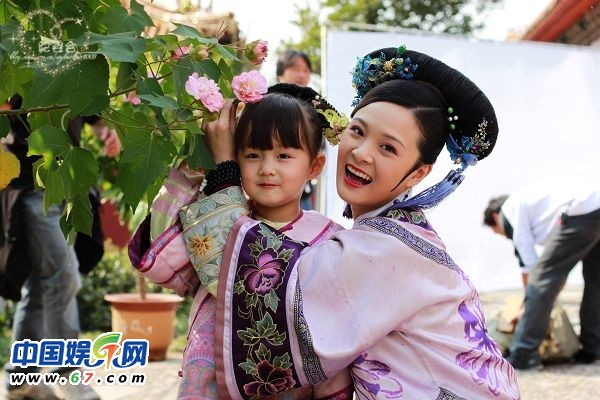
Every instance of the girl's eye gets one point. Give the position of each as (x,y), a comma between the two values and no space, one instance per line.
(355,130)
(389,148)
(284,156)
(251,155)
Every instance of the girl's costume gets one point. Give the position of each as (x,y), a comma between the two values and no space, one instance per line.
(166,262)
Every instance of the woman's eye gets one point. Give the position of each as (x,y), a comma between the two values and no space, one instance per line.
(355,130)
(389,148)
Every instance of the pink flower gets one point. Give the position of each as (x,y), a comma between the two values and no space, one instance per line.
(256,51)
(249,87)
(132,97)
(205,90)
(180,52)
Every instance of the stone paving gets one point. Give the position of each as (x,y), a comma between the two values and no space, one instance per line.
(563,381)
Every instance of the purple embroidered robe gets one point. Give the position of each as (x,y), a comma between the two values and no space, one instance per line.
(383,298)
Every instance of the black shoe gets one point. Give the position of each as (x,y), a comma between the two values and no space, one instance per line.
(584,357)
(524,361)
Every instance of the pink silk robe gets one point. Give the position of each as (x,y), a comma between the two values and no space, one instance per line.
(383,298)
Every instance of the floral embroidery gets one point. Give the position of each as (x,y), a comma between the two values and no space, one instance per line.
(484,361)
(265,275)
(412,216)
(271,380)
(262,350)
(200,245)
(379,382)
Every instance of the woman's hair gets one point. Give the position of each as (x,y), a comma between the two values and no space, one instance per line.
(426,104)
(292,121)
(443,100)
(288,59)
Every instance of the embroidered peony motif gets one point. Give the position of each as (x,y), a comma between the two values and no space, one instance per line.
(201,245)
(374,377)
(265,275)
(271,380)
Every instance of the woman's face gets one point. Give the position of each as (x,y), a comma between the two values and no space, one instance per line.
(376,152)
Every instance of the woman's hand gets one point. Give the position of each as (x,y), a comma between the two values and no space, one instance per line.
(219,134)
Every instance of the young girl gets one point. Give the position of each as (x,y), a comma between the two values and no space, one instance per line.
(278,142)
(383,297)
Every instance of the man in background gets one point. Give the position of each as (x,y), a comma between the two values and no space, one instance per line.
(563,216)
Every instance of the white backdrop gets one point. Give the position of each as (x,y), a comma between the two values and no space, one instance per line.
(547,100)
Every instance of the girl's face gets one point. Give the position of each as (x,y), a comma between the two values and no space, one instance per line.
(275,179)
(377,152)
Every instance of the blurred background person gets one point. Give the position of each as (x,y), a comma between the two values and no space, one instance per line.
(563,216)
(294,67)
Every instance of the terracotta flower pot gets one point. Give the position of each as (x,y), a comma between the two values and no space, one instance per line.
(151,319)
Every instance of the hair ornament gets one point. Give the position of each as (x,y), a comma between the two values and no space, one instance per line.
(332,121)
(370,72)
(466,151)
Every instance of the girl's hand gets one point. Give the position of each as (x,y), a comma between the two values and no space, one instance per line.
(219,134)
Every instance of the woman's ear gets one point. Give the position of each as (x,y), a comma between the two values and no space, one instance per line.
(317,166)
(419,174)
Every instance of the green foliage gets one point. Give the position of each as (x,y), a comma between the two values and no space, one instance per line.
(6,316)
(69,58)
(439,16)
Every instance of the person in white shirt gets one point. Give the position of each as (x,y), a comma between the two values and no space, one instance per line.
(565,219)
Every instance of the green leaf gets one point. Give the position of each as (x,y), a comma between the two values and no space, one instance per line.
(272,300)
(79,170)
(126,75)
(55,189)
(249,336)
(283,361)
(14,79)
(225,70)
(89,87)
(199,156)
(226,53)
(249,366)
(208,68)
(265,326)
(263,353)
(188,31)
(4,126)
(251,300)
(277,340)
(84,88)
(238,287)
(81,213)
(225,87)
(146,156)
(49,142)
(117,19)
(126,46)
(164,102)
(286,254)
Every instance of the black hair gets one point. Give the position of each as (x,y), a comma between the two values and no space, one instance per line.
(493,207)
(288,59)
(433,90)
(291,120)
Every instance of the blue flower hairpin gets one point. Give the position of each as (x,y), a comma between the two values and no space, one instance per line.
(466,151)
(370,72)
